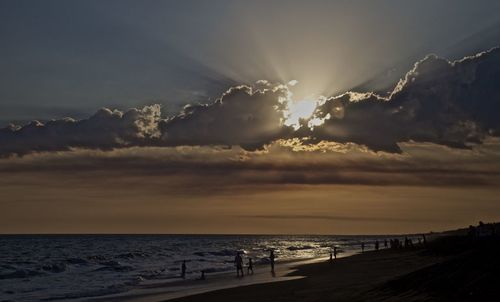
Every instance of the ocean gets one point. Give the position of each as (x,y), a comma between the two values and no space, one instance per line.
(72,267)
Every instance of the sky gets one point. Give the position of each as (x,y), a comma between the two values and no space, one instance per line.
(282,117)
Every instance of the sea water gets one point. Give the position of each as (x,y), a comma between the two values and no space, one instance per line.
(66,267)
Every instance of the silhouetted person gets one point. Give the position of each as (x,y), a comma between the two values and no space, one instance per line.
(407,244)
(425,240)
(385,243)
(331,256)
(239,264)
(271,259)
(362,247)
(202,277)
(376,245)
(183,269)
(250,266)
(334,252)
(472,231)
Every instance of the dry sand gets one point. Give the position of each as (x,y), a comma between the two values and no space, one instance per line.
(451,268)
(346,279)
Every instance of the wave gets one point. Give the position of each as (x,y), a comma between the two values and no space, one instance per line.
(22,273)
(300,248)
(216,270)
(54,267)
(76,261)
(131,255)
(221,253)
(114,266)
(96,258)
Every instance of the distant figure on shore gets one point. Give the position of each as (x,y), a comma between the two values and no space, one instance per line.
(408,242)
(376,245)
(385,243)
(483,230)
(335,252)
(331,256)
(183,269)
(396,244)
(362,247)
(202,277)
(425,240)
(238,260)
(250,266)
(271,259)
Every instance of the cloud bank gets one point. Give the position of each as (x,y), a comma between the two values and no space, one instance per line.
(448,103)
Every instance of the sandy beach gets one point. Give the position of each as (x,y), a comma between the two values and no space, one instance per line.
(451,268)
(166,290)
(345,279)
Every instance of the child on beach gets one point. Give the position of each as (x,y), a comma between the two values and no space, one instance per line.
(250,266)
(271,258)
(183,269)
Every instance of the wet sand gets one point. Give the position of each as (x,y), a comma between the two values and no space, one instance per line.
(346,279)
(452,268)
(160,291)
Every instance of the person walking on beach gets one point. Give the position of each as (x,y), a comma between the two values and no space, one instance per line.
(385,243)
(362,247)
(183,269)
(271,258)
(239,264)
(334,252)
(376,245)
(250,266)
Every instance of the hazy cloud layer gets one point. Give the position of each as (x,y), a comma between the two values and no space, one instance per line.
(337,218)
(449,103)
(207,170)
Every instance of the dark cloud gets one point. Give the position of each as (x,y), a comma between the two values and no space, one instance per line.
(450,103)
(241,117)
(455,104)
(106,129)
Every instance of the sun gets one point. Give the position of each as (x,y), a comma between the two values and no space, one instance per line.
(299,110)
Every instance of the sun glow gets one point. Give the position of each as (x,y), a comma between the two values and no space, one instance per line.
(299,110)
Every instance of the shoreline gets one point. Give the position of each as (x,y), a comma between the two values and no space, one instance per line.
(345,279)
(216,284)
(164,291)
(457,267)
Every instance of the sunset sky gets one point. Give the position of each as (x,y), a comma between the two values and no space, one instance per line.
(274,117)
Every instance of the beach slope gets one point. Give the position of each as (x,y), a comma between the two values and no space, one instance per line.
(453,268)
